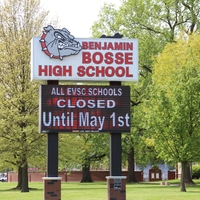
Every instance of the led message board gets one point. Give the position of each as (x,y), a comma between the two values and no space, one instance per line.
(65,108)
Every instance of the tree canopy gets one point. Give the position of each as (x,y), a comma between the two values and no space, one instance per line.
(21,144)
(154,23)
(174,111)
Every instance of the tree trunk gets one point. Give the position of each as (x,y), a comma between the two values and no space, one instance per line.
(86,174)
(131,167)
(19,184)
(183,170)
(25,178)
(188,175)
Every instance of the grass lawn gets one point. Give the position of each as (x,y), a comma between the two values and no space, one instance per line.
(98,191)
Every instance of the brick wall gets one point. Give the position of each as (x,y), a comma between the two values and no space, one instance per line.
(32,176)
(72,176)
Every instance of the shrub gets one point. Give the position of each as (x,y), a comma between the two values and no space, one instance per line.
(196,171)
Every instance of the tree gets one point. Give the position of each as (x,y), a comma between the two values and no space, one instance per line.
(82,151)
(69,151)
(110,22)
(95,148)
(154,23)
(174,112)
(19,138)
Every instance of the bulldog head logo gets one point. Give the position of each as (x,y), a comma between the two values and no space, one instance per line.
(57,43)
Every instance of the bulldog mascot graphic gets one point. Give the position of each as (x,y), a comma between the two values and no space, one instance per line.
(59,43)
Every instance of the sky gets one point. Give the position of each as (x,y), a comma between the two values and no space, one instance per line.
(76,15)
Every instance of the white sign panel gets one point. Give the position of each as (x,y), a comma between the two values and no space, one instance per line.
(57,55)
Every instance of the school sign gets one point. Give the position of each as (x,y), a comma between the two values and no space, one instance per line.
(57,55)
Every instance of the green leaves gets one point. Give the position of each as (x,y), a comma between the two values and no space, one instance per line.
(167,111)
(19,137)
(175,100)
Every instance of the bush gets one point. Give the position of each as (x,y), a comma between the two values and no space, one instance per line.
(196,171)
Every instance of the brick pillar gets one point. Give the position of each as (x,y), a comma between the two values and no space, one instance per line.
(52,188)
(116,186)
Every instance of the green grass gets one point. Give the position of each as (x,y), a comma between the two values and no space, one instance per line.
(98,191)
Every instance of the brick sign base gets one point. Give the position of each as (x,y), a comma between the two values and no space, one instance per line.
(52,188)
(116,187)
